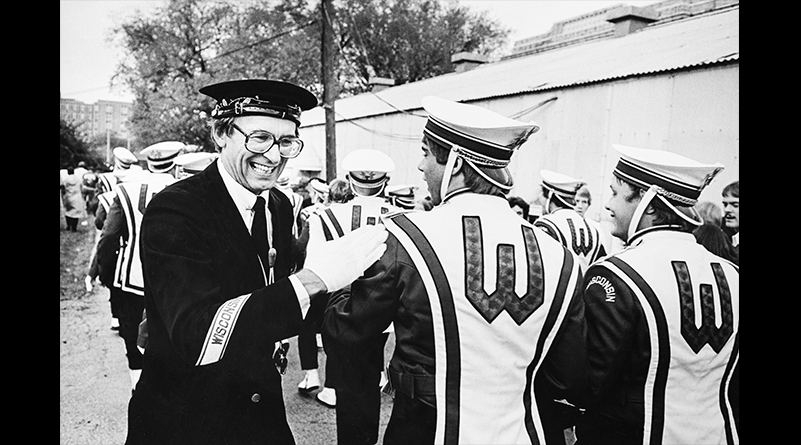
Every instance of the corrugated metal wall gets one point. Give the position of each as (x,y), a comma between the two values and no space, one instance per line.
(694,113)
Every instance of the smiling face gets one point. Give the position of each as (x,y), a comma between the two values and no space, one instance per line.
(255,172)
(731,212)
(621,207)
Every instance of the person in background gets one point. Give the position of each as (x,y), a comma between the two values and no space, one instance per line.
(564,224)
(519,205)
(710,213)
(339,191)
(367,174)
(118,253)
(716,241)
(660,371)
(309,340)
(402,196)
(72,199)
(711,234)
(583,203)
(125,163)
(731,212)
(186,165)
(192,163)
(479,356)
(89,182)
(222,285)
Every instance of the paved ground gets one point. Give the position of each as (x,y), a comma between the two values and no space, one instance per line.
(95,386)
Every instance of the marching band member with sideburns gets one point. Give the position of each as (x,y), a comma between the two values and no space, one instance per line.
(486,309)
(663,315)
(221,284)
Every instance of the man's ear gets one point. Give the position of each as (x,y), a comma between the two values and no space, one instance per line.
(457,166)
(219,140)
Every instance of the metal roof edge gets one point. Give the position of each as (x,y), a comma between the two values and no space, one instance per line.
(729,59)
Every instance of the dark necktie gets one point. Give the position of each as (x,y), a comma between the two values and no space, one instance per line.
(259,234)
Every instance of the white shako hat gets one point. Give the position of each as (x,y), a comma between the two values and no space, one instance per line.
(368,168)
(195,162)
(124,157)
(401,196)
(484,139)
(676,180)
(161,156)
(319,186)
(562,186)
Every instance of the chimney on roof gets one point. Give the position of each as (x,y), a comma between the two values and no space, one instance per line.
(630,19)
(380,83)
(465,61)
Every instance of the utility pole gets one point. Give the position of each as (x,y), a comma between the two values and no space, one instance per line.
(329,87)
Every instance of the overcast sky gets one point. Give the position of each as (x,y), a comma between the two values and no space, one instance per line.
(87,60)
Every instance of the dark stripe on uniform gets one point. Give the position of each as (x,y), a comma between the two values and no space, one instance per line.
(724,396)
(663,361)
(547,327)
(334,222)
(128,211)
(450,326)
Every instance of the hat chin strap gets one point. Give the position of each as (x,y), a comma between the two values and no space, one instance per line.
(379,189)
(652,192)
(446,177)
(638,212)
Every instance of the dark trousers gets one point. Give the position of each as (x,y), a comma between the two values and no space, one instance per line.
(598,429)
(355,376)
(130,307)
(114,304)
(307,337)
(411,422)
(72,224)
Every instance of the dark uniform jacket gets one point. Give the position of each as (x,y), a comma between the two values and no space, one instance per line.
(208,375)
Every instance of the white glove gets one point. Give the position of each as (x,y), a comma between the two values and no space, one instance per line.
(340,262)
(88,281)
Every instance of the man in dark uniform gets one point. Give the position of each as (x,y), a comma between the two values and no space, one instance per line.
(486,309)
(663,315)
(221,285)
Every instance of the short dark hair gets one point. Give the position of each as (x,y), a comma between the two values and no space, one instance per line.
(339,191)
(472,179)
(732,189)
(663,215)
(584,191)
(519,202)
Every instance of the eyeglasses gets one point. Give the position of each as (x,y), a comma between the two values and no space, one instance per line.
(260,141)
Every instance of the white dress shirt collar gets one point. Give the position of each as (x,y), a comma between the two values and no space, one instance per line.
(243,198)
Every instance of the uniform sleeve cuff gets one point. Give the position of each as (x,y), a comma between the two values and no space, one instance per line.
(300,291)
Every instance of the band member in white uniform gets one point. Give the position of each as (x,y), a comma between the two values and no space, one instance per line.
(663,315)
(118,246)
(487,311)
(562,222)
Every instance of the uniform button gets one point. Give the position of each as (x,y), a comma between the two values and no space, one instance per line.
(255,397)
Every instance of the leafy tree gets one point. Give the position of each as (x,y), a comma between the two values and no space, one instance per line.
(411,40)
(188,44)
(74,149)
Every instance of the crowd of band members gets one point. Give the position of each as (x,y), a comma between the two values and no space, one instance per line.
(352,319)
